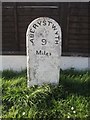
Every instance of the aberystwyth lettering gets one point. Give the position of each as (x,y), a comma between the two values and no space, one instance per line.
(44,23)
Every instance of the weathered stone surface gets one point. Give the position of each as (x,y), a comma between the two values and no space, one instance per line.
(43,51)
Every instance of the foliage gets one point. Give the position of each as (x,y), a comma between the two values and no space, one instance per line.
(70,100)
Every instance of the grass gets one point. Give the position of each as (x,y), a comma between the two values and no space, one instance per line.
(70,100)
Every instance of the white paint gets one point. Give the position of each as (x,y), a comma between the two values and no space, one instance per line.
(43,51)
(1,63)
(19,62)
(79,63)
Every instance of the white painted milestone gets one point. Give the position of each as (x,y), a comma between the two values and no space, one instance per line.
(43,51)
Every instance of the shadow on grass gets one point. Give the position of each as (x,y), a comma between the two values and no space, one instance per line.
(9,74)
(77,82)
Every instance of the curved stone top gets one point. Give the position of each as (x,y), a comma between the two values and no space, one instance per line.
(44,31)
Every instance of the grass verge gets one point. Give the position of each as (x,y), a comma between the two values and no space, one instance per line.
(70,100)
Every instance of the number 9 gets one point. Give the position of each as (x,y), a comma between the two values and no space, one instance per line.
(44,41)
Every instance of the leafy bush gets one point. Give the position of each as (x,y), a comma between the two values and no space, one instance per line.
(70,100)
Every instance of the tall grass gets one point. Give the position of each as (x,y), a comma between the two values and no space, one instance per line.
(70,100)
